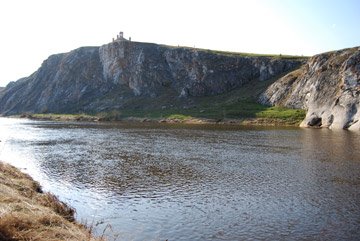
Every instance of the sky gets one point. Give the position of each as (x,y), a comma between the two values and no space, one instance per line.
(33,30)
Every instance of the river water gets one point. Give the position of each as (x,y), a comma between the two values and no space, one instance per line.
(195,182)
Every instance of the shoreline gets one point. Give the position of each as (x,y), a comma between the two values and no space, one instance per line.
(170,120)
(28,213)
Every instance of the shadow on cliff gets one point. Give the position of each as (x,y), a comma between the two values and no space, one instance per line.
(240,103)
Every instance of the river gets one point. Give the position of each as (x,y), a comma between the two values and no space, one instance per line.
(195,182)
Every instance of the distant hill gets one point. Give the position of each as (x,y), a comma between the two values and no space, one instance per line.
(141,79)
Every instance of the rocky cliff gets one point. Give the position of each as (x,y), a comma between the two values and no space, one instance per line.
(61,82)
(112,76)
(328,87)
(144,67)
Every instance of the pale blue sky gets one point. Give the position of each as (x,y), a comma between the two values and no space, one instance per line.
(33,30)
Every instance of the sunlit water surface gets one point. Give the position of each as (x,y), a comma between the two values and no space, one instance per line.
(157,182)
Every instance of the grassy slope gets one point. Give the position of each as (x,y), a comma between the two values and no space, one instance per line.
(28,214)
(237,104)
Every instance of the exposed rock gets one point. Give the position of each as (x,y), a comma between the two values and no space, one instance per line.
(144,67)
(93,79)
(63,81)
(328,87)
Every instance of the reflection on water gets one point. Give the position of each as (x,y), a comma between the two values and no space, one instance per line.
(153,181)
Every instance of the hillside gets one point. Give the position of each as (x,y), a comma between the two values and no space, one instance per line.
(134,77)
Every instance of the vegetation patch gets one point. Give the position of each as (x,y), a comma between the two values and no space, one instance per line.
(238,104)
(179,117)
(26,213)
(280,112)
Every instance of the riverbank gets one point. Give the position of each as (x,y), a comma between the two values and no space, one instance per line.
(171,119)
(27,213)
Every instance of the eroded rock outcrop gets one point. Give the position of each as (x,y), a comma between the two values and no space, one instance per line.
(62,82)
(328,87)
(92,79)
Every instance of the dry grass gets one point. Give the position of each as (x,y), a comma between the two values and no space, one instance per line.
(28,214)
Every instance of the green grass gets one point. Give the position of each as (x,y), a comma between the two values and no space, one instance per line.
(179,117)
(280,112)
(239,110)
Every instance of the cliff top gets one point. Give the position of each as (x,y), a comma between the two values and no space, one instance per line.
(231,53)
(218,52)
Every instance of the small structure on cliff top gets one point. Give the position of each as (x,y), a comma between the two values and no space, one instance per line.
(120,37)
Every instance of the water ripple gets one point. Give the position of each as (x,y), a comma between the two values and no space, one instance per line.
(179,182)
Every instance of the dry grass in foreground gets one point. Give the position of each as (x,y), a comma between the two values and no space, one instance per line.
(28,214)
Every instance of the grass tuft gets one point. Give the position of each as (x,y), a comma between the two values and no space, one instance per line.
(280,112)
(28,214)
(178,117)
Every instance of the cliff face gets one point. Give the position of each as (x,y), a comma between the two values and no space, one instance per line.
(98,78)
(144,67)
(328,87)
